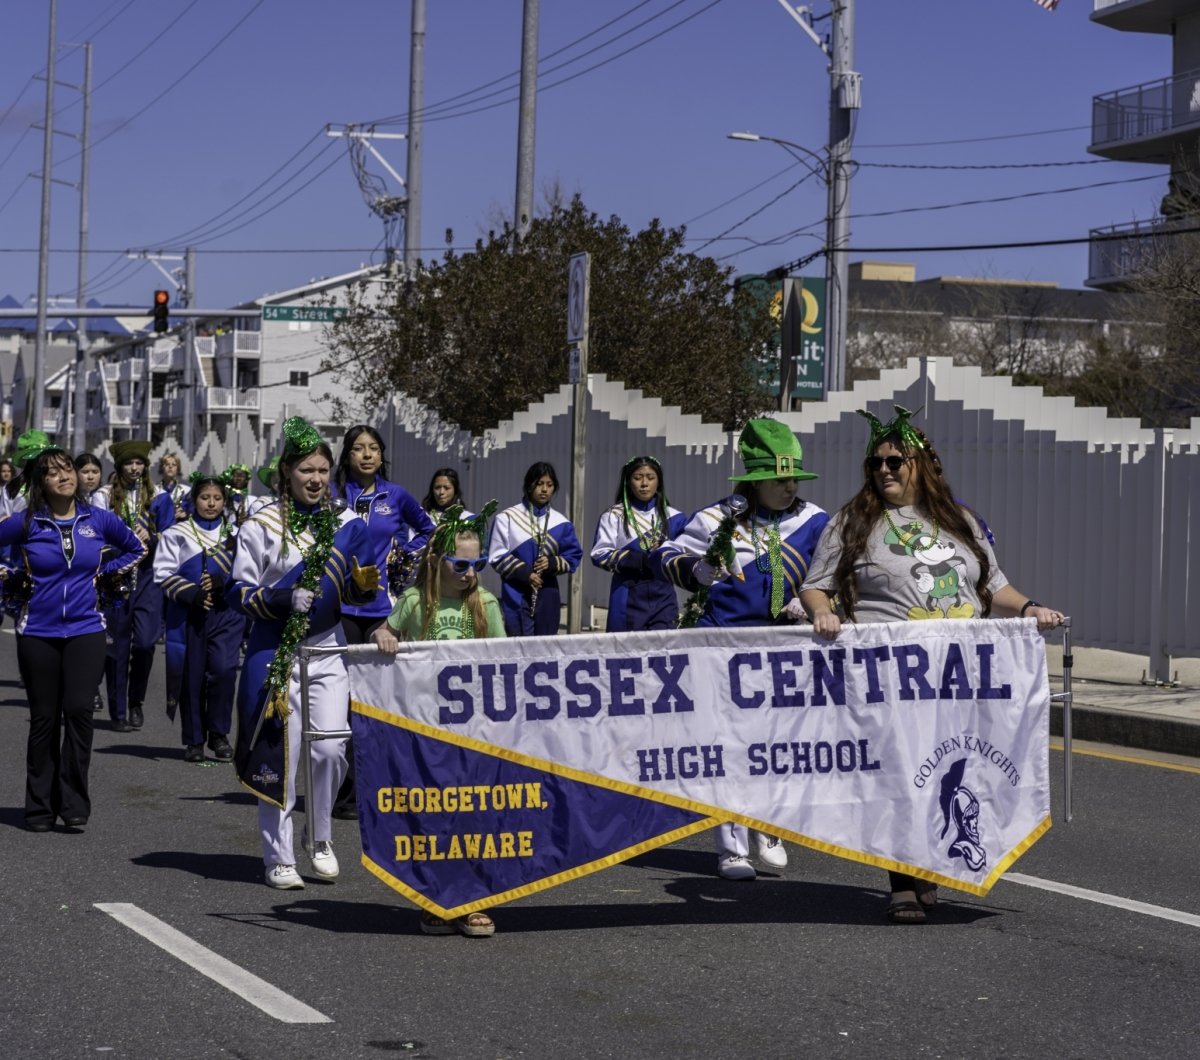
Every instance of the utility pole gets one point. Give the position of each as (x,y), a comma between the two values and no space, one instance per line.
(416,102)
(39,347)
(189,352)
(526,120)
(578,289)
(79,439)
(845,96)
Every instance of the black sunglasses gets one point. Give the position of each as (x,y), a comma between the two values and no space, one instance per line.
(894,463)
(461,566)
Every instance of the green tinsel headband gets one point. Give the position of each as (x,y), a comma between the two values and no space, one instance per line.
(31,445)
(299,438)
(453,524)
(900,425)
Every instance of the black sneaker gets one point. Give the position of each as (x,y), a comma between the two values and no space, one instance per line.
(219,744)
(121,725)
(194,753)
(135,717)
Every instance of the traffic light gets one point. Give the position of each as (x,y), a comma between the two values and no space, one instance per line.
(161,301)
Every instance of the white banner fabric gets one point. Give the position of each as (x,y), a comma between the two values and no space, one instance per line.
(916,746)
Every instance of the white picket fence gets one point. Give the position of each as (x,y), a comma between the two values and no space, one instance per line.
(1094,515)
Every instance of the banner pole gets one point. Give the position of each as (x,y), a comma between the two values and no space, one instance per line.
(1067,698)
(306,751)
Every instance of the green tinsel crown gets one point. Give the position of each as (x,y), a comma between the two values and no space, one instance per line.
(900,425)
(299,438)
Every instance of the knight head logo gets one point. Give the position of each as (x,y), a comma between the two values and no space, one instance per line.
(960,811)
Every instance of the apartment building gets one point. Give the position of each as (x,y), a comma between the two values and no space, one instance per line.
(1157,122)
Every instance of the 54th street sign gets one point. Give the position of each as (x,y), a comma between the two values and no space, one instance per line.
(316,314)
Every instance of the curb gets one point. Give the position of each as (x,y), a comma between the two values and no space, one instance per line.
(1148,732)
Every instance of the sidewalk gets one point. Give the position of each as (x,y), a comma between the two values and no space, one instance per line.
(1113,706)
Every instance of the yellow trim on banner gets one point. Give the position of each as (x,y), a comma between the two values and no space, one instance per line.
(715,812)
(514,893)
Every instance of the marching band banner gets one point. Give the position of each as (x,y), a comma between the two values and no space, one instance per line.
(490,769)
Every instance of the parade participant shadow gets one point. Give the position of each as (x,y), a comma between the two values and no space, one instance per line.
(139,750)
(233,798)
(230,868)
(340,917)
(14,702)
(12,817)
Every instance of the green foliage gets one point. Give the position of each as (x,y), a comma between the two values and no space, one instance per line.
(481,336)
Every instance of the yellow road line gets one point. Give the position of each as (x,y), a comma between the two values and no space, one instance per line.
(1056,745)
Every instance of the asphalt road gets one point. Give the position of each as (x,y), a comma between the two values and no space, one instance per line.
(654,958)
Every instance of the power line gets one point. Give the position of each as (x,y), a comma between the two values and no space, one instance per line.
(974,139)
(200,228)
(572,77)
(741,194)
(992,165)
(138,113)
(396,119)
(770,202)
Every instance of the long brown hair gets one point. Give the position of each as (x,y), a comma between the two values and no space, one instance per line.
(861,514)
(429,584)
(116,490)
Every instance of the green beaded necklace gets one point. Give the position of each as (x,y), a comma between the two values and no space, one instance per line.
(774,557)
(913,527)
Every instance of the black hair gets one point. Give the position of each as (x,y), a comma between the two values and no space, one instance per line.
(197,484)
(537,471)
(352,436)
(443,472)
(86,460)
(34,474)
(636,463)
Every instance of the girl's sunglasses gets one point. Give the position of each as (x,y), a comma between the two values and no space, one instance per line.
(894,463)
(461,566)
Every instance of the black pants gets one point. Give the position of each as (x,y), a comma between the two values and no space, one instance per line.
(61,675)
(358,630)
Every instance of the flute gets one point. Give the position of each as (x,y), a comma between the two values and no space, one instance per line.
(533,592)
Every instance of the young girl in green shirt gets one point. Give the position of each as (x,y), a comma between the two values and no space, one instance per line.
(448,603)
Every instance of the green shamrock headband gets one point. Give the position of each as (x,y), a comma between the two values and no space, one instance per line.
(909,437)
(453,524)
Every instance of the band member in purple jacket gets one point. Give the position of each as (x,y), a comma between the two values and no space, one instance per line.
(398,529)
(56,547)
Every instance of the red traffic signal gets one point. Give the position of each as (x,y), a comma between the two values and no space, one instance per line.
(161,301)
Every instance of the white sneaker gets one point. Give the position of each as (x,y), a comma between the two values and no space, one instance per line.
(769,849)
(324,863)
(735,867)
(284,878)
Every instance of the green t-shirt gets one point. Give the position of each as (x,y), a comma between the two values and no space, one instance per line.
(408,619)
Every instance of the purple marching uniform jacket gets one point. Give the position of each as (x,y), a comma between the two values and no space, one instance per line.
(63,600)
(393,519)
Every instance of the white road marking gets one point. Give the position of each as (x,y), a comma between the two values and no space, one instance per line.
(1162,912)
(261,994)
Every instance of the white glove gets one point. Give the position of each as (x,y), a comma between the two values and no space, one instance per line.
(302,600)
(793,610)
(706,573)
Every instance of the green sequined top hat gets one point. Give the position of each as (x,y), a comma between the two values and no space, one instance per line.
(267,471)
(770,450)
(452,524)
(133,449)
(299,438)
(899,426)
(31,445)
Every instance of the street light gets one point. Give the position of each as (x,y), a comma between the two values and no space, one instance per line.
(835,177)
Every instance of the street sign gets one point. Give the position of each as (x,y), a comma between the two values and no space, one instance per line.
(577,297)
(316,314)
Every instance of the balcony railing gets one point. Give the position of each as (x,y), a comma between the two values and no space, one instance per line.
(241,343)
(228,399)
(120,415)
(112,371)
(1141,112)
(204,345)
(1117,254)
(160,360)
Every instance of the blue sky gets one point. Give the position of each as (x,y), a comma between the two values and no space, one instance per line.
(643,136)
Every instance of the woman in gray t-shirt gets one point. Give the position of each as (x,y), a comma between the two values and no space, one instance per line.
(903,549)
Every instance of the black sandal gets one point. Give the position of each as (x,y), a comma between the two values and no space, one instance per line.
(905,912)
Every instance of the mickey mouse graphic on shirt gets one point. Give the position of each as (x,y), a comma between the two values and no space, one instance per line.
(936,572)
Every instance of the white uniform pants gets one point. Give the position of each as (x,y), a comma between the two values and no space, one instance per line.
(732,839)
(329,706)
